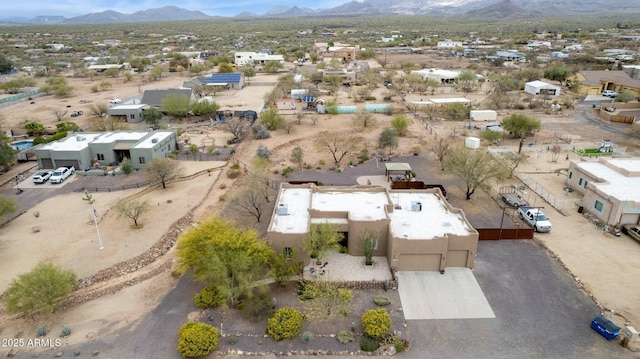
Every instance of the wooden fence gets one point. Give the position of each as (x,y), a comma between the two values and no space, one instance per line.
(493,234)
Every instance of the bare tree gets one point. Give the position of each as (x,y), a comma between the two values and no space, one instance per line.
(253,196)
(297,156)
(512,161)
(99,109)
(239,128)
(365,119)
(108,123)
(60,114)
(299,117)
(441,148)
(339,145)
(132,209)
(162,170)
(555,150)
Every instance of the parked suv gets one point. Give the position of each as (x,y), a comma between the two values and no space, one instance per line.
(41,177)
(609,93)
(61,174)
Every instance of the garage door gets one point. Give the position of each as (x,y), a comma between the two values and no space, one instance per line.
(419,262)
(47,163)
(630,218)
(68,163)
(457,258)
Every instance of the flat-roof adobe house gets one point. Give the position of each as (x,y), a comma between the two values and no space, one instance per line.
(609,188)
(83,149)
(417,230)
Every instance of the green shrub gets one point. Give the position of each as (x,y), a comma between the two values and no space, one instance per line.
(257,308)
(368,344)
(346,336)
(233,172)
(303,293)
(382,301)
(126,167)
(287,171)
(286,323)
(376,322)
(345,295)
(209,297)
(197,339)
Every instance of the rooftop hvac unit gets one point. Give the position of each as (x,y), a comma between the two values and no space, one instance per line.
(416,206)
(283,209)
(154,140)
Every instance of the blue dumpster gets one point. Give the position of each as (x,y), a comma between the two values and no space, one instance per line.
(605,327)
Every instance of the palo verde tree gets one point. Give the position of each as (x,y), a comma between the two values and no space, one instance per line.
(519,125)
(152,116)
(220,253)
(176,105)
(132,209)
(388,138)
(162,170)
(321,239)
(39,289)
(478,169)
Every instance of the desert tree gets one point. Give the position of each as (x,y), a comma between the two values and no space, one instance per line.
(477,168)
(491,136)
(155,73)
(7,153)
(34,128)
(273,66)
(512,161)
(388,138)
(39,289)
(468,81)
(558,72)
(519,125)
(219,252)
(237,127)
(152,116)
(284,265)
(176,105)
(365,119)
(193,149)
(132,209)
(162,170)
(441,147)
(204,107)
(98,109)
(626,96)
(455,111)
(108,123)
(59,114)
(254,195)
(401,124)
(339,145)
(271,119)
(555,153)
(297,156)
(322,238)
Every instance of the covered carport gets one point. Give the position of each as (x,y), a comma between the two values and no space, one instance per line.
(395,167)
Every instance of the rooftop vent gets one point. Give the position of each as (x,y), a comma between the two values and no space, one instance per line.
(80,138)
(154,140)
(416,206)
(283,210)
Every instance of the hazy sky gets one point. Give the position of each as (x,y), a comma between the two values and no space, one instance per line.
(70,8)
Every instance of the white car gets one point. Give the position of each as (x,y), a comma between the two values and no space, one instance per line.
(61,174)
(609,93)
(42,176)
(115,100)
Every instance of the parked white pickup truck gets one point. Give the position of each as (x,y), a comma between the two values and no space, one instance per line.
(535,218)
(61,174)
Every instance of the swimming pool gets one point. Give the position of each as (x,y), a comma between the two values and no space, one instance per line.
(22,145)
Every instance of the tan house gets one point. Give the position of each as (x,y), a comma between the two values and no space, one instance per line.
(594,82)
(417,230)
(610,189)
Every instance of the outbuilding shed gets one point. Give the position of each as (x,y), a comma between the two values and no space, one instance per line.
(541,88)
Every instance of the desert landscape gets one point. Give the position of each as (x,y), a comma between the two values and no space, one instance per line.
(117,289)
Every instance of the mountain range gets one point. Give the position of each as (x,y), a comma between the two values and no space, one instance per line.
(501,10)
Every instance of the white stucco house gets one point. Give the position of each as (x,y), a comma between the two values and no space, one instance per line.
(610,188)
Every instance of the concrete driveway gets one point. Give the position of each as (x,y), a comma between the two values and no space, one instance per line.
(453,295)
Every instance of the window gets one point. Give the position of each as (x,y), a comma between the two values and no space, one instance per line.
(580,182)
(598,206)
(100,157)
(132,116)
(287,252)
(570,174)
(141,160)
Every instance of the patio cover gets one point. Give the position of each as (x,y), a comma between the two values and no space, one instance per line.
(397,166)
